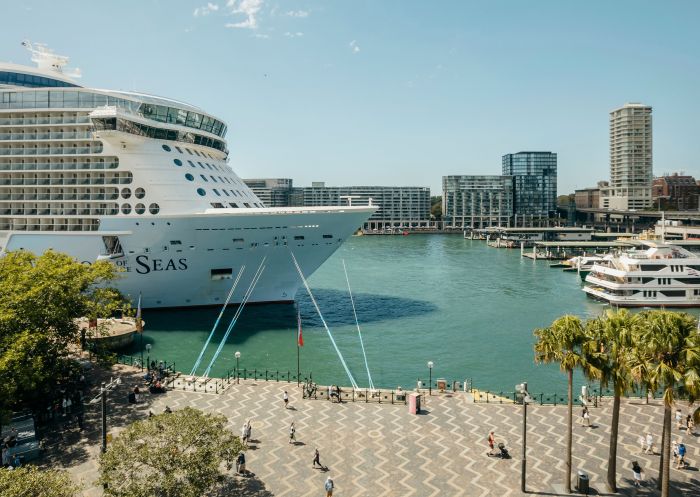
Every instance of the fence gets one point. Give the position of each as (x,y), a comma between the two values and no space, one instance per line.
(361,395)
(594,397)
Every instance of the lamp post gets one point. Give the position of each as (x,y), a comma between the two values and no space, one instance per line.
(148,359)
(102,398)
(238,356)
(522,389)
(141,344)
(430,381)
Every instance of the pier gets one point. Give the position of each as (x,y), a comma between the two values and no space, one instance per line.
(558,251)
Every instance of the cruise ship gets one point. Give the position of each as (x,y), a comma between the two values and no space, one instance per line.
(653,275)
(144,181)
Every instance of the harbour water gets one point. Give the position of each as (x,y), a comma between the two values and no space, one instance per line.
(468,308)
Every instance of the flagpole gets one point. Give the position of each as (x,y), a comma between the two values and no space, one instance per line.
(297,340)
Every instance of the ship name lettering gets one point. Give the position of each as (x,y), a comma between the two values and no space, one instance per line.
(146,265)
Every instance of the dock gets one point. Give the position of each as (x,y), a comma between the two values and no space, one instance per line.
(562,250)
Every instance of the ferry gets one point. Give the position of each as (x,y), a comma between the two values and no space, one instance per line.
(145,182)
(656,274)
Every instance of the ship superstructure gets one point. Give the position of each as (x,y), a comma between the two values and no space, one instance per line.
(145,182)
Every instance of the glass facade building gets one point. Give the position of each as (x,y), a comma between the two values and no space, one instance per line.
(534,183)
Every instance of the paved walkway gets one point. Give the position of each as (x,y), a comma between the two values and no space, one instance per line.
(381,450)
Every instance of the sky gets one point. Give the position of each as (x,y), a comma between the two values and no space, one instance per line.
(394,92)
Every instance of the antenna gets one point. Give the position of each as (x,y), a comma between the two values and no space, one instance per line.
(46,59)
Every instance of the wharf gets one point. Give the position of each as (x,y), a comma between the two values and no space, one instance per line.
(563,250)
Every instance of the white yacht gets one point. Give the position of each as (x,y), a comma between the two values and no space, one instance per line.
(144,181)
(654,275)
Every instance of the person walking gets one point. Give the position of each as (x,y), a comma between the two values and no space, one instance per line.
(689,425)
(329,486)
(585,416)
(292,433)
(649,444)
(637,471)
(492,441)
(285,397)
(679,419)
(642,443)
(681,456)
(240,463)
(248,431)
(317,459)
(244,432)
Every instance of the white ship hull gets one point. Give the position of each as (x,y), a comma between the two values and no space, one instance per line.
(180,274)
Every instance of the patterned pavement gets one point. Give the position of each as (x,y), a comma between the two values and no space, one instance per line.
(378,450)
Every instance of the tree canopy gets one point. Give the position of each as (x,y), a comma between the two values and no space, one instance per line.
(29,481)
(40,297)
(178,454)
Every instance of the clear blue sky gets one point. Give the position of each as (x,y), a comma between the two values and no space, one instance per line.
(394,92)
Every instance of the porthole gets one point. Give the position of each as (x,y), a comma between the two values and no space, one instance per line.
(189,177)
(166,148)
(154,209)
(201,191)
(140,208)
(177,162)
(139,193)
(126,208)
(126,192)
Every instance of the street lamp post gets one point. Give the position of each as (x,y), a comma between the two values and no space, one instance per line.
(522,389)
(148,359)
(430,381)
(102,398)
(238,356)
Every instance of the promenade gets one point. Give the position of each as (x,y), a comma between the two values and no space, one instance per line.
(381,450)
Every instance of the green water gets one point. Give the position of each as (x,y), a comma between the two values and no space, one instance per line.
(469,308)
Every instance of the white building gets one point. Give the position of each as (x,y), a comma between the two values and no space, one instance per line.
(631,173)
(480,201)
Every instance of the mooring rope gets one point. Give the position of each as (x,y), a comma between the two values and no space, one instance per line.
(244,301)
(216,324)
(357,323)
(313,300)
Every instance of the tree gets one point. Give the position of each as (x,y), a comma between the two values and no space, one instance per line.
(177,454)
(667,356)
(612,340)
(436,207)
(563,342)
(29,481)
(40,297)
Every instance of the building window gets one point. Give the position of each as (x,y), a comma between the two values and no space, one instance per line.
(154,209)
(189,177)
(201,191)
(140,193)
(166,148)
(140,208)
(177,162)
(126,208)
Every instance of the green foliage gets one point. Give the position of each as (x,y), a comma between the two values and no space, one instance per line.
(436,207)
(40,297)
(29,481)
(563,342)
(181,454)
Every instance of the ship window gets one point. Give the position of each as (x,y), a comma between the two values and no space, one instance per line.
(126,208)
(213,179)
(217,192)
(191,163)
(189,151)
(201,191)
(140,208)
(226,193)
(140,193)
(189,177)
(327,236)
(166,148)
(299,237)
(154,209)
(177,162)
(126,192)
(246,204)
(175,242)
(222,274)
(238,240)
(217,205)
(208,165)
(233,204)
(201,165)
(204,177)
(178,149)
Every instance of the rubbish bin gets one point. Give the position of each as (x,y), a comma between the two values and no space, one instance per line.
(582,484)
(414,403)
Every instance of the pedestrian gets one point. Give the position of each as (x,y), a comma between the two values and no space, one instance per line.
(317,459)
(649,444)
(329,487)
(585,416)
(16,461)
(248,431)
(292,433)
(492,441)
(286,399)
(637,470)
(240,463)
(679,418)
(689,425)
(5,457)
(674,451)
(244,432)
(642,442)
(330,393)
(681,456)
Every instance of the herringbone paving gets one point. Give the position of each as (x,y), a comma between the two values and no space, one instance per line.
(381,450)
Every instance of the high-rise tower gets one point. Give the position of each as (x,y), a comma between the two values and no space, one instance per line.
(631,172)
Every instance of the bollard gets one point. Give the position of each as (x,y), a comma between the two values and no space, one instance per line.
(277,373)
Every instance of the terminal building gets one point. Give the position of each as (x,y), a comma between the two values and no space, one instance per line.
(399,206)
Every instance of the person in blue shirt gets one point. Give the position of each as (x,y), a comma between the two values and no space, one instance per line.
(681,456)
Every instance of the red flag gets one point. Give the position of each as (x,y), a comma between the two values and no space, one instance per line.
(300,338)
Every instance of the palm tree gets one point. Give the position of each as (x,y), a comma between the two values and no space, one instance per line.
(562,342)
(612,339)
(667,356)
